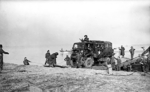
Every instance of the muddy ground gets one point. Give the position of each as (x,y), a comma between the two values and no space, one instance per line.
(32,78)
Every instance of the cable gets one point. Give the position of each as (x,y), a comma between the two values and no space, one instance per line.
(116,75)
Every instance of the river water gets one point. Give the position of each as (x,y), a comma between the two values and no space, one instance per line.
(37,55)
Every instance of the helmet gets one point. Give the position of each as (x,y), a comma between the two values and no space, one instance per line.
(1,45)
(85,35)
(56,53)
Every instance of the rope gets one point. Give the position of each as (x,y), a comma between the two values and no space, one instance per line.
(116,75)
(37,63)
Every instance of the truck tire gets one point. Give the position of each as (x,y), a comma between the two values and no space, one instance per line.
(88,62)
(82,60)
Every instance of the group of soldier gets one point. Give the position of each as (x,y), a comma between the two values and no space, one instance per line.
(142,60)
(50,59)
(122,51)
(116,62)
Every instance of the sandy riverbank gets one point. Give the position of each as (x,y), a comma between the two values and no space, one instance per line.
(33,78)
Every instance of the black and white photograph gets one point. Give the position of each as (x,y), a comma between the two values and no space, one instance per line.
(74,45)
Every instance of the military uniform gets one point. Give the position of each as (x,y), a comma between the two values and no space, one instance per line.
(75,59)
(113,63)
(132,52)
(52,59)
(118,64)
(26,62)
(86,38)
(68,60)
(47,55)
(122,51)
(1,56)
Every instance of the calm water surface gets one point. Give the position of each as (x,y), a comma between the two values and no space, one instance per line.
(37,55)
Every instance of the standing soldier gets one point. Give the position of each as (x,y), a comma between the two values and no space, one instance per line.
(122,49)
(132,52)
(113,62)
(47,55)
(86,38)
(74,58)
(1,56)
(118,63)
(26,61)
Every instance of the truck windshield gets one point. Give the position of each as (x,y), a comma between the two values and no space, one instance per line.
(78,46)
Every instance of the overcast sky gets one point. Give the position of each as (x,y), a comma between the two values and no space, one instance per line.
(61,23)
(30,28)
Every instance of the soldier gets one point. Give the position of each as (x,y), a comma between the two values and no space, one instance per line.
(122,49)
(46,56)
(129,67)
(55,56)
(1,56)
(26,61)
(52,59)
(75,57)
(113,62)
(132,52)
(88,52)
(67,59)
(86,38)
(118,63)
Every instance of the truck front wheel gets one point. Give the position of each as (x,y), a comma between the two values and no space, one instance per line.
(89,62)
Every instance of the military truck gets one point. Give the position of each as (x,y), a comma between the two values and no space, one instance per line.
(90,53)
